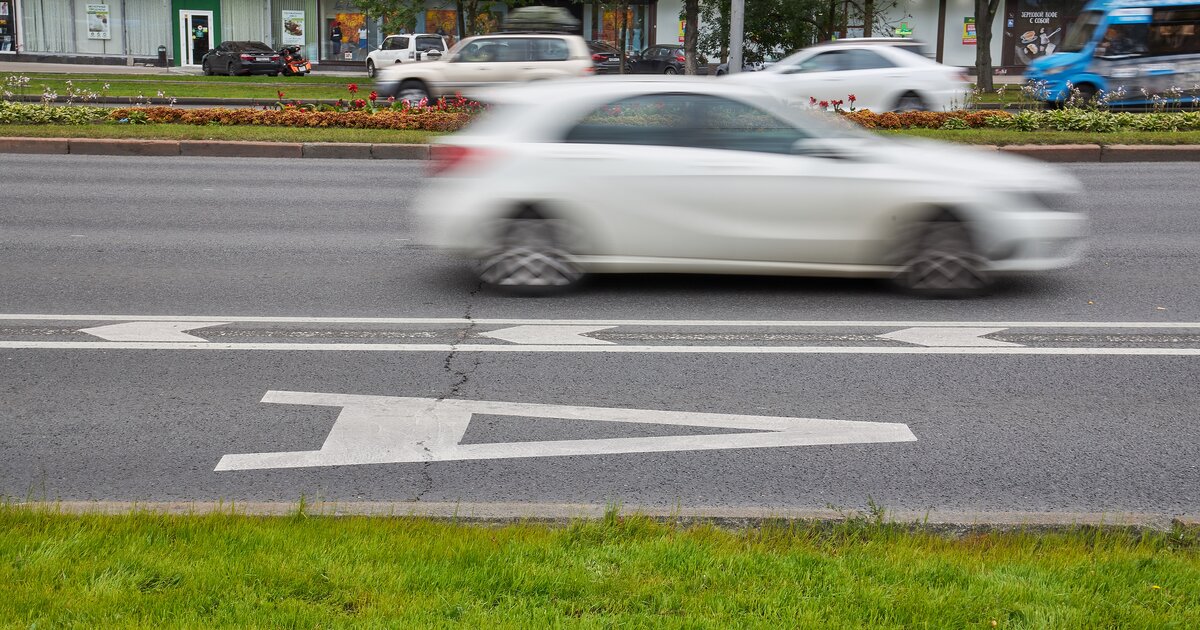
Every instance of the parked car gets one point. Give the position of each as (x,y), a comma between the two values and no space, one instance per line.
(662,59)
(405,48)
(488,60)
(234,58)
(687,175)
(606,57)
(882,77)
(753,66)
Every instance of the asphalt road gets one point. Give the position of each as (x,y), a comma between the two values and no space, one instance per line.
(1077,411)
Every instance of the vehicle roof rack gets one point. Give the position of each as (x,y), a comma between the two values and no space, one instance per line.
(540,20)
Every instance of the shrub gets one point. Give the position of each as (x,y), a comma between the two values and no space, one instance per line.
(39,114)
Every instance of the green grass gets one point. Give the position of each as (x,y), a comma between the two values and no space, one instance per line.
(213,132)
(1010,136)
(146,570)
(257,87)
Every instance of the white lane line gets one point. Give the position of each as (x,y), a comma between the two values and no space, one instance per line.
(391,429)
(418,347)
(586,322)
(942,336)
(549,335)
(150,331)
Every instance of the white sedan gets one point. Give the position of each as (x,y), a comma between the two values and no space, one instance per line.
(882,78)
(699,176)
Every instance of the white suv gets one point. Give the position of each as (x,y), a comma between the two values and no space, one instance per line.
(487,60)
(401,48)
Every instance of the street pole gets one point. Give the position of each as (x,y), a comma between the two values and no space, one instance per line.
(737,22)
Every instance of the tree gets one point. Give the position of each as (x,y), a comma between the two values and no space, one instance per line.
(985,14)
(396,15)
(691,28)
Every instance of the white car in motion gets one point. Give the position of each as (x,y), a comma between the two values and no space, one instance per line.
(882,77)
(701,176)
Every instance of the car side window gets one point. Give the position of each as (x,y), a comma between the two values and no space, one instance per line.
(478,51)
(550,50)
(859,59)
(514,50)
(823,62)
(686,120)
(395,43)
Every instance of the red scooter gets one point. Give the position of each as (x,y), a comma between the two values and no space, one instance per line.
(294,63)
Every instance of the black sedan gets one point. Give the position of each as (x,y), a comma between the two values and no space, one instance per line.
(234,58)
(606,57)
(662,59)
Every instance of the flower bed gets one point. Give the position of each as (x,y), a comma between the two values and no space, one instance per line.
(418,119)
(1089,120)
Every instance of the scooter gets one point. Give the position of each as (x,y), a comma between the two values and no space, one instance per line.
(294,63)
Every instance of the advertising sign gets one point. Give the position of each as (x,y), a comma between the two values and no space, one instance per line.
(293,28)
(1037,27)
(97,21)
(969,31)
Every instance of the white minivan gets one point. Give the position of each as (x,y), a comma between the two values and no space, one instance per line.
(403,48)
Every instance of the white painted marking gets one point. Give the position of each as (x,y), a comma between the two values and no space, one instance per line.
(150,331)
(387,429)
(949,337)
(549,335)
(461,321)
(620,349)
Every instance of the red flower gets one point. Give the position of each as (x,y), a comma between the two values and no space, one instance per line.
(853,98)
(280,93)
(824,104)
(359,103)
(374,95)
(353,87)
(340,102)
(812,100)
(391,99)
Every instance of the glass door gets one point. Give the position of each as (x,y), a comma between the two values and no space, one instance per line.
(195,35)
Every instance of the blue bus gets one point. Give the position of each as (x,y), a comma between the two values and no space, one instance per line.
(1130,50)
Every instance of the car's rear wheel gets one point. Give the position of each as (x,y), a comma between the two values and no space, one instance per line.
(371,68)
(910,102)
(939,260)
(669,70)
(530,258)
(230,71)
(412,92)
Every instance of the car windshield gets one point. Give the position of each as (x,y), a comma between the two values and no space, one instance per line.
(1080,33)
(249,47)
(427,42)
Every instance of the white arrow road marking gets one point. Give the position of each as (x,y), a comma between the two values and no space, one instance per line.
(549,335)
(150,331)
(387,429)
(949,337)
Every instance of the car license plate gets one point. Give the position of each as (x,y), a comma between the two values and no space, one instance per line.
(262,58)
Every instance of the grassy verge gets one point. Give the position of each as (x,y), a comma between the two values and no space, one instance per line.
(256,87)
(215,132)
(145,570)
(1010,136)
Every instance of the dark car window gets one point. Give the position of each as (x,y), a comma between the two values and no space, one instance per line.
(395,43)
(514,50)
(602,48)
(824,62)
(550,50)
(249,47)
(859,59)
(430,42)
(653,53)
(686,120)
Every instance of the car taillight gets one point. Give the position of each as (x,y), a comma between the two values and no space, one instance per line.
(598,58)
(447,157)
(274,57)
(680,59)
(247,57)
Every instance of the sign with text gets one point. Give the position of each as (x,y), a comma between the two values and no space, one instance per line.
(293,28)
(97,22)
(969,36)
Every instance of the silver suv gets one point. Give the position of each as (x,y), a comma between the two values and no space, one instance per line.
(401,48)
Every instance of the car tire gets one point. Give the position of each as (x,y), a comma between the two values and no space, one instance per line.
(206,68)
(230,71)
(939,260)
(371,68)
(530,258)
(670,70)
(910,102)
(412,91)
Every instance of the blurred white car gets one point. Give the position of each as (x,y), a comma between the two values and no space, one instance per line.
(882,77)
(702,176)
(486,61)
(405,48)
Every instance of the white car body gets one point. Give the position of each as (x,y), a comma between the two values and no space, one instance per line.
(486,61)
(882,78)
(839,207)
(405,48)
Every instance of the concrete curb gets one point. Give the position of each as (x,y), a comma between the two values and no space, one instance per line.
(363,151)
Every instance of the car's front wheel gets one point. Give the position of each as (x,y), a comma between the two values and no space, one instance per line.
(371,68)
(412,92)
(229,70)
(207,68)
(910,102)
(530,258)
(940,260)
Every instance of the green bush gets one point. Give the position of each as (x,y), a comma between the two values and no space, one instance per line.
(38,114)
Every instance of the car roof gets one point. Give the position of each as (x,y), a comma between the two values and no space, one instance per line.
(413,35)
(883,41)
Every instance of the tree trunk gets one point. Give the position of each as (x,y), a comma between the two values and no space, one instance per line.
(831,20)
(868,17)
(624,9)
(985,14)
(460,22)
(691,28)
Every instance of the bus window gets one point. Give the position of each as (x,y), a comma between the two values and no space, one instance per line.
(1173,31)
(1124,40)
(1080,33)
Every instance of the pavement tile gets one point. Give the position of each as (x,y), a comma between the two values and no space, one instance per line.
(1056,152)
(338,150)
(1150,153)
(97,146)
(209,148)
(59,146)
